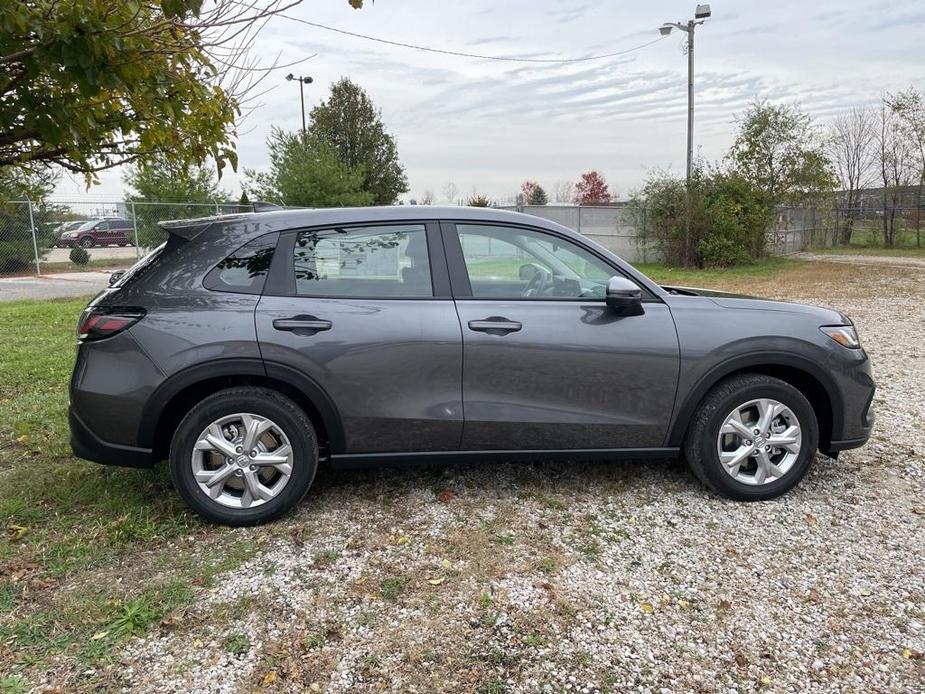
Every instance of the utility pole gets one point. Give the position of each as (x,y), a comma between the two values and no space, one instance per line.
(701,14)
(302,81)
(690,99)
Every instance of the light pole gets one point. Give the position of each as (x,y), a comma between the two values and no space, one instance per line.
(701,14)
(302,81)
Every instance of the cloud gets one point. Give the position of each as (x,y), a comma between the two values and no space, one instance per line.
(570,14)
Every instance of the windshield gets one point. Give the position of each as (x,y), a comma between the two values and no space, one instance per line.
(87,225)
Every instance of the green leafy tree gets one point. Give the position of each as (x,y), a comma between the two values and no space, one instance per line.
(18,186)
(91,84)
(159,183)
(538,196)
(730,216)
(350,125)
(780,149)
(305,172)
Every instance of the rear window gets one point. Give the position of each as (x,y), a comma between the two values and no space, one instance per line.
(245,270)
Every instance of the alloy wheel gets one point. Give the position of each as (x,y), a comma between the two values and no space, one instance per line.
(242,460)
(759,441)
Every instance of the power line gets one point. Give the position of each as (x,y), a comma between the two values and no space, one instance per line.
(428,49)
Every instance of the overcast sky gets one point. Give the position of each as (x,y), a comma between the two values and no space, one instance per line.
(488,125)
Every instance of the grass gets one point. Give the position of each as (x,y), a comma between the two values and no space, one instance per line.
(67,593)
(691,277)
(91,557)
(98,264)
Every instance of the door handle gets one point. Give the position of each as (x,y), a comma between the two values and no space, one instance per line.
(495,326)
(302,324)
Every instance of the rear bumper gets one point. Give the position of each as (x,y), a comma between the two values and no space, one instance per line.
(89,446)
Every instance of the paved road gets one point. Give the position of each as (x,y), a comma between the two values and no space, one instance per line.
(61,255)
(58,285)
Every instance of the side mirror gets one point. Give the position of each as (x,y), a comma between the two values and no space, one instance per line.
(115,277)
(624,296)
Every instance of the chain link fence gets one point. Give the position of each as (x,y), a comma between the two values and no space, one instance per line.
(63,235)
(621,228)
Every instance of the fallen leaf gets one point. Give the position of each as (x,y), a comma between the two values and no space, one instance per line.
(436,581)
(741,660)
(813,595)
(920,510)
(269,678)
(765,680)
(810,519)
(909,654)
(647,607)
(725,605)
(99,635)
(445,496)
(445,565)
(403,540)
(16,532)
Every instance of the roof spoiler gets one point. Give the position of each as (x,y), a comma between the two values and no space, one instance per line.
(188,229)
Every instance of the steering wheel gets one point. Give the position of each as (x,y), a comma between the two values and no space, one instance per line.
(538,283)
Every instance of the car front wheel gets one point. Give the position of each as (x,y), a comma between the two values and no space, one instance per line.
(244,456)
(87,242)
(752,438)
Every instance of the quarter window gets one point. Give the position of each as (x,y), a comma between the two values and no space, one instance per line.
(245,270)
(516,263)
(370,262)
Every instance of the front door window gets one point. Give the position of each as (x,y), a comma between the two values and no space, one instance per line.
(516,263)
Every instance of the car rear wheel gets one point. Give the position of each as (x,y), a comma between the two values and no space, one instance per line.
(87,242)
(752,438)
(244,456)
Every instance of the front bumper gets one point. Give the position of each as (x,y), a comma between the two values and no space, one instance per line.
(859,422)
(89,446)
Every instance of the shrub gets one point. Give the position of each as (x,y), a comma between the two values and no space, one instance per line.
(478,200)
(79,255)
(730,218)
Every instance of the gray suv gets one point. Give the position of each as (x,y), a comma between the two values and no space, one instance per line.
(248,349)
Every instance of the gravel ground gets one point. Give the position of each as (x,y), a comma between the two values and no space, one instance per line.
(589,577)
(862,259)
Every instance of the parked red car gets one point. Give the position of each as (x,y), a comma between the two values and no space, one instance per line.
(100,232)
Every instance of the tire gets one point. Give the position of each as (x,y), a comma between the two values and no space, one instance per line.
(87,242)
(291,426)
(702,443)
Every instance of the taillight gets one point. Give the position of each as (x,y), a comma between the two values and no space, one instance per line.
(101,323)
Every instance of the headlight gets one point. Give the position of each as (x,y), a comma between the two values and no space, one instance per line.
(845,335)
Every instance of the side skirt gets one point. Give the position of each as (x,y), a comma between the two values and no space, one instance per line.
(345,461)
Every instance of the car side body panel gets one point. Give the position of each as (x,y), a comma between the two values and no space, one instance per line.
(576,375)
(392,367)
(717,340)
(388,378)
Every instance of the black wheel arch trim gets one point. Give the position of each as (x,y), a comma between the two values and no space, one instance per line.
(240,367)
(754,360)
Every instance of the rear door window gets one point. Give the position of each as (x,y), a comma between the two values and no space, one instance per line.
(369,262)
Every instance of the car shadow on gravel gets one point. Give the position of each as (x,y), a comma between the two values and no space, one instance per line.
(508,479)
